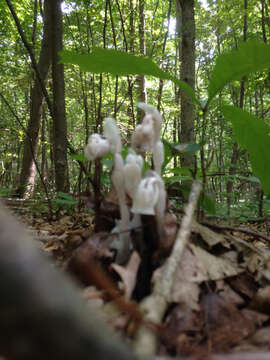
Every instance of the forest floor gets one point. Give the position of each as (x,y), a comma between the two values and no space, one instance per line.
(219,303)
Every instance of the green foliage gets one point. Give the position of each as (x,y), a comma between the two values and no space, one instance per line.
(5,192)
(207,202)
(250,57)
(78,157)
(116,62)
(64,200)
(252,134)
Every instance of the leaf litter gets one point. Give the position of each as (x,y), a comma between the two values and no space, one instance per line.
(220,299)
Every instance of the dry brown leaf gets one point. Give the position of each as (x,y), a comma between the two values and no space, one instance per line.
(225,324)
(261,301)
(209,236)
(128,273)
(261,337)
(217,268)
(228,294)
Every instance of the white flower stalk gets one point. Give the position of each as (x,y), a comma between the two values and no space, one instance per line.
(132,172)
(119,184)
(158,156)
(97,147)
(111,132)
(160,206)
(146,136)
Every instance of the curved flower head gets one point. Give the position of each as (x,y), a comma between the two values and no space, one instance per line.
(132,172)
(156,118)
(143,138)
(146,197)
(96,147)
(150,198)
(111,132)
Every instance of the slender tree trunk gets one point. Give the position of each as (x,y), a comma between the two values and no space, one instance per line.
(235,154)
(141,79)
(59,114)
(187,74)
(28,171)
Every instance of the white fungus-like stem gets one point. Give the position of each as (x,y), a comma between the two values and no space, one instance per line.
(132,172)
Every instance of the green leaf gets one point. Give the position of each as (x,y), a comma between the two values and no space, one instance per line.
(252,134)
(78,157)
(250,57)
(208,204)
(64,196)
(121,63)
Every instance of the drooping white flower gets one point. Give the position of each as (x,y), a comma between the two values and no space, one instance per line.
(150,198)
(96,147)
(132,172)
(146,197)
(156,117)
(111,132)
(143,136)
(146,136)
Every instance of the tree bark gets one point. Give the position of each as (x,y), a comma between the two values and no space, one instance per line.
(142,96)
(187,74)
(28,171)
(59,113)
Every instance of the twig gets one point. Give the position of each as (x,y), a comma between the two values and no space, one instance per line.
(156,304)
(239,229)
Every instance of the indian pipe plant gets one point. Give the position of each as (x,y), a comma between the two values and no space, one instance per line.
(147,191)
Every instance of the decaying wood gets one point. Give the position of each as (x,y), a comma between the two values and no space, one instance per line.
(155,305)
(41,313)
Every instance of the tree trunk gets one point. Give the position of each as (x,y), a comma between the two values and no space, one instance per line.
(28,171)
(235,154)
(140,78)
(187,74)
(59,113)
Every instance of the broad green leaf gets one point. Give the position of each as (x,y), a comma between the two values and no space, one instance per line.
(250,57)
(252,134)
(118,62)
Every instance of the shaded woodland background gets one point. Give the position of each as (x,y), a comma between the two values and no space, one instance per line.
(47,111)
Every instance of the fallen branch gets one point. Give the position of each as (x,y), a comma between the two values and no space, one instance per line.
(239,229)
(155,305)
(41,314)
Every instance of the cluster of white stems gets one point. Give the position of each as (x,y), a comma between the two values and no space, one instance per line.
(147,193)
